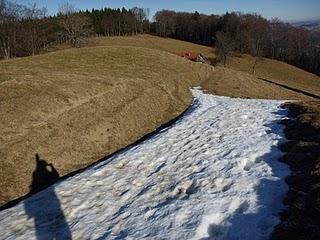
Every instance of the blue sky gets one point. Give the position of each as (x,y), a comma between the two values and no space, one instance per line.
(287,10)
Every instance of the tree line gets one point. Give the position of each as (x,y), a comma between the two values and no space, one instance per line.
(116,22)
(27,30)
(243,33)
(23,30)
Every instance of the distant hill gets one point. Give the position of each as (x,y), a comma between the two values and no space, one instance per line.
(311,25)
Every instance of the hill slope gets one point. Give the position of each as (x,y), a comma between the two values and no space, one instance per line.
(76,106)
(278,72)
(274,70)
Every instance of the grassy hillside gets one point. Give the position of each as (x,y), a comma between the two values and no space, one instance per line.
(74,106)
(279,72)
(274,70)
(229,82)
(153,42)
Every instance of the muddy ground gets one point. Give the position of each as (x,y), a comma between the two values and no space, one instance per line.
(302,153)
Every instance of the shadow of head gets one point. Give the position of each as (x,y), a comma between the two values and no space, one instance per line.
(44,207)
(43,176)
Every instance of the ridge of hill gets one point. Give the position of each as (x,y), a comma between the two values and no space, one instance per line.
(270,69)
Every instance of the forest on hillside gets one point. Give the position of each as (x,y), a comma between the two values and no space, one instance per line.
(244,33)
(28,30)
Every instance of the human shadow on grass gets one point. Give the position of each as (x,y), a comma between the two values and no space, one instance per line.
(44,207)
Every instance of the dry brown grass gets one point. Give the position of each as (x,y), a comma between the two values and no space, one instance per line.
(228,82)
(153,42)
(77,105)
(278,72)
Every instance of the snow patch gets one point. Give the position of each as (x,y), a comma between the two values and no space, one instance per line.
(214,174)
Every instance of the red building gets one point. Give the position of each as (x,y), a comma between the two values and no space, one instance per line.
(193,56)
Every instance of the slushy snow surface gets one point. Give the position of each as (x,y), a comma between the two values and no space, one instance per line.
(214,174)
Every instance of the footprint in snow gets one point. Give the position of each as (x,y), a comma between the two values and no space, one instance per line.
(185,187)
(223,184)
(247,164)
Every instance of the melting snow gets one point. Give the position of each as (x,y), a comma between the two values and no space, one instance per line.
(214,174)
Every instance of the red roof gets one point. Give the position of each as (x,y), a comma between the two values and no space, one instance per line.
(194,56)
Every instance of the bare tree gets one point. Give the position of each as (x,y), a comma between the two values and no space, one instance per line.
(225,46)
(9,14)
(257,51)
(166,24)
(75,26)
(146,20)
(33,30)
(22,29)
(258,28)
(140,16)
